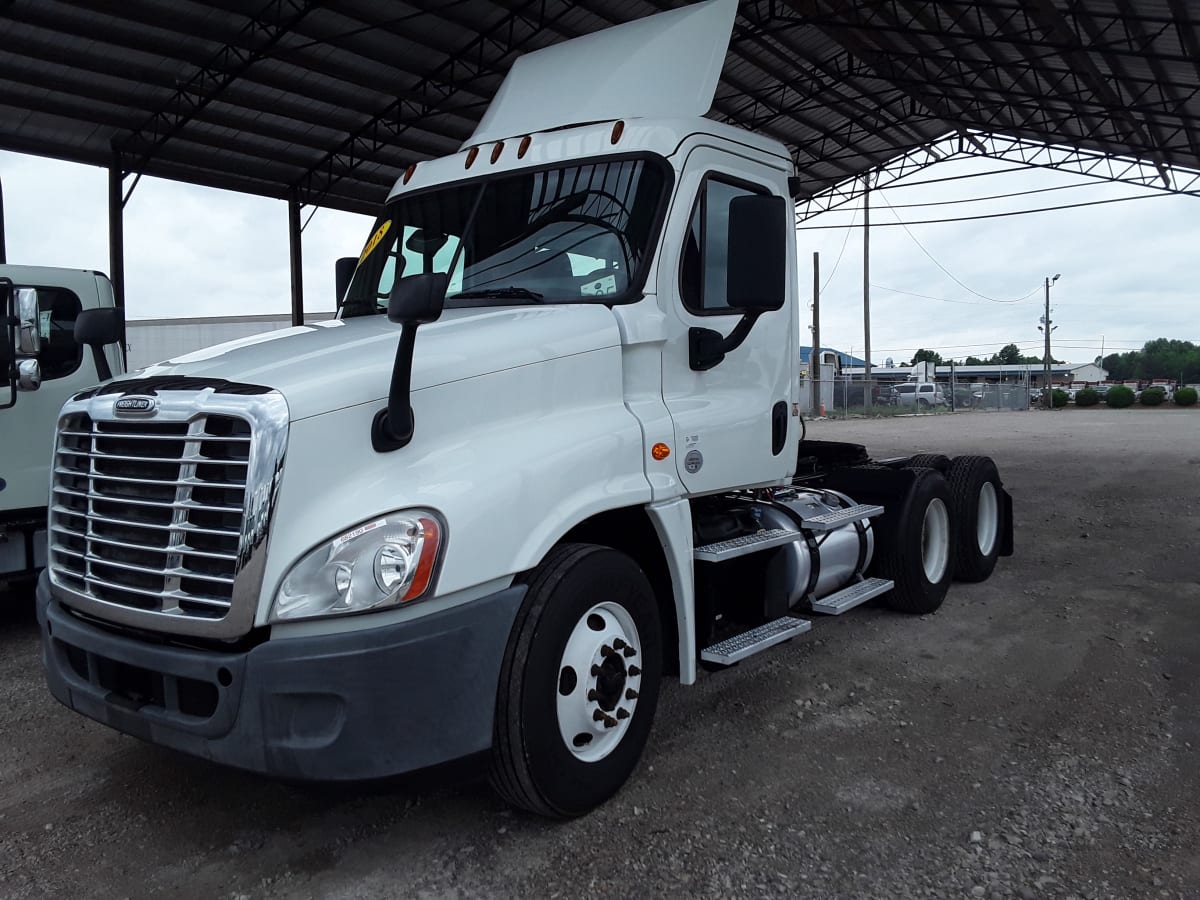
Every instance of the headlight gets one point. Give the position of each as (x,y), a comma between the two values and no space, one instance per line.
(384,562)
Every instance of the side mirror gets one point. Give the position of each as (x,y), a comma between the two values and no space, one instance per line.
(343,274)
(757,268)
(414,301)
(96,328)
(418,298)
(29,375)
(756,273)
(29,326)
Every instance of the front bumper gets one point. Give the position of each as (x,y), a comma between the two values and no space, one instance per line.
(360,705)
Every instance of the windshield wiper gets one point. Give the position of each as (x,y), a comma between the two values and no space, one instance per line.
(514,293)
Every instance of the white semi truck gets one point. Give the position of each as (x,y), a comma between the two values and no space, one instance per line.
(548,452)
(41,365)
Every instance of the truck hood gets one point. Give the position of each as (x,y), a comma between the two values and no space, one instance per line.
(340,363)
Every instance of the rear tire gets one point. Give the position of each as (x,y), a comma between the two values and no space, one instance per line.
(977,508)
(938,461)
(579,683)
(916,552)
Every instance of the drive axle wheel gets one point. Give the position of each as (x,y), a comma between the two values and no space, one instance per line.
(976,505)
(579,682)
(916,551)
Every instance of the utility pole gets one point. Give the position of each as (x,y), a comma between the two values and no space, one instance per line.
(814,361)
(867,290)
(1047,399)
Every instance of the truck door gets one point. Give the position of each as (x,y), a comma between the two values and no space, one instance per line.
(733,422)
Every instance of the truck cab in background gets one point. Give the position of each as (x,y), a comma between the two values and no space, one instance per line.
(42,363)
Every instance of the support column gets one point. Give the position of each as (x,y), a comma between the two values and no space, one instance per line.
(867,292)
(116,240)
(814,361)
(296,257)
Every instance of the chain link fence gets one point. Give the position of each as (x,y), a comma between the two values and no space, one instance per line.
(843,396)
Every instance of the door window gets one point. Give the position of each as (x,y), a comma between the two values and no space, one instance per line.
(703,279)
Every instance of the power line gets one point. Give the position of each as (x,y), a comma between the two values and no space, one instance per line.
(1016,212)
(845,241)
(884,287)
(951,275)
(1045,190)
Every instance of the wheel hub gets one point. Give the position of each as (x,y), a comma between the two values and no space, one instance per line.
(598,681)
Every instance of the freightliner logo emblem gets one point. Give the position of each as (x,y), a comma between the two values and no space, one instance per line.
(136,406)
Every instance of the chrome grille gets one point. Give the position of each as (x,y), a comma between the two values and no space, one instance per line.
(149,514)
(159,519)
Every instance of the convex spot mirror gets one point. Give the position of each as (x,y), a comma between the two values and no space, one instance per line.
(757,270)
(29,327)
(29,375)
(418,298)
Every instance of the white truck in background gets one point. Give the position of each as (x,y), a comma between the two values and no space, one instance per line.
(41,365)
(549,452)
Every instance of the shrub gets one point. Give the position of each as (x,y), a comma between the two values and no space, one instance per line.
(1119,396)
(1059,398)
(1185,397)
(1087,397)
(1152,397)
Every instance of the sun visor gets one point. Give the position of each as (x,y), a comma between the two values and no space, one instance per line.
(665,65)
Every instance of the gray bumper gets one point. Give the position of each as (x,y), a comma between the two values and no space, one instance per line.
(368,704)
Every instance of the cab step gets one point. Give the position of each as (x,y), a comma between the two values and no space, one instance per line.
(830,521)
(747,543)
(854,595)
(736,648)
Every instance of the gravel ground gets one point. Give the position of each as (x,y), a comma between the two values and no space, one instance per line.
(1038,737)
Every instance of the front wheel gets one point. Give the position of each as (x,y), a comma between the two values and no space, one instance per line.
(579,683)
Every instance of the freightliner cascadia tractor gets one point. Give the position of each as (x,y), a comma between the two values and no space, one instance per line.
(548,454)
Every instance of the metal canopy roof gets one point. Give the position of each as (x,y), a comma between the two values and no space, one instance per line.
(327,102)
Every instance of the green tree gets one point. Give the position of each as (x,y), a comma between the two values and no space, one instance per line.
(1009,355)
(932,356)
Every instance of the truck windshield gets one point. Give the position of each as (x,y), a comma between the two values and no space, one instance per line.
(577,233)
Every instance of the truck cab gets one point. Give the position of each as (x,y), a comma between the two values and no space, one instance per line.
(43,365)
(548,453)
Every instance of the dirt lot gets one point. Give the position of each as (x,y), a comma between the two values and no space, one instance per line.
(1038,737)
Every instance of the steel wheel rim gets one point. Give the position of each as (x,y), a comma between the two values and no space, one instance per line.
(599,679)
(935,541)
(987,524)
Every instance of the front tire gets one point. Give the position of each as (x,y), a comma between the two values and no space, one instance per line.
(579,683)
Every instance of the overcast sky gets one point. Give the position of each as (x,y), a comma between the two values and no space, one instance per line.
(1130,270)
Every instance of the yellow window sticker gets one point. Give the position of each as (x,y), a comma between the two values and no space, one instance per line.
(375,239)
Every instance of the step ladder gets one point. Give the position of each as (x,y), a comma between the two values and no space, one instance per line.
(736,648)
(837,519)
(855,595)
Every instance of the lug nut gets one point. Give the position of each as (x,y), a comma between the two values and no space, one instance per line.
(610,722)
(619,644)
(595,670)
(630,694)
(629,651)
(622,713)
(592,695)
(599,716)
(606,650)
(633,670)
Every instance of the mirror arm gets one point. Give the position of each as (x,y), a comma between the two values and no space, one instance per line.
(707,348)
(392,427)
(103,370)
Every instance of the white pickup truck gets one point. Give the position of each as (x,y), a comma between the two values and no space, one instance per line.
(548,453)
(919,395)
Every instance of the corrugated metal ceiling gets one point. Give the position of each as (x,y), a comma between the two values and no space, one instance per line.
(329,101)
